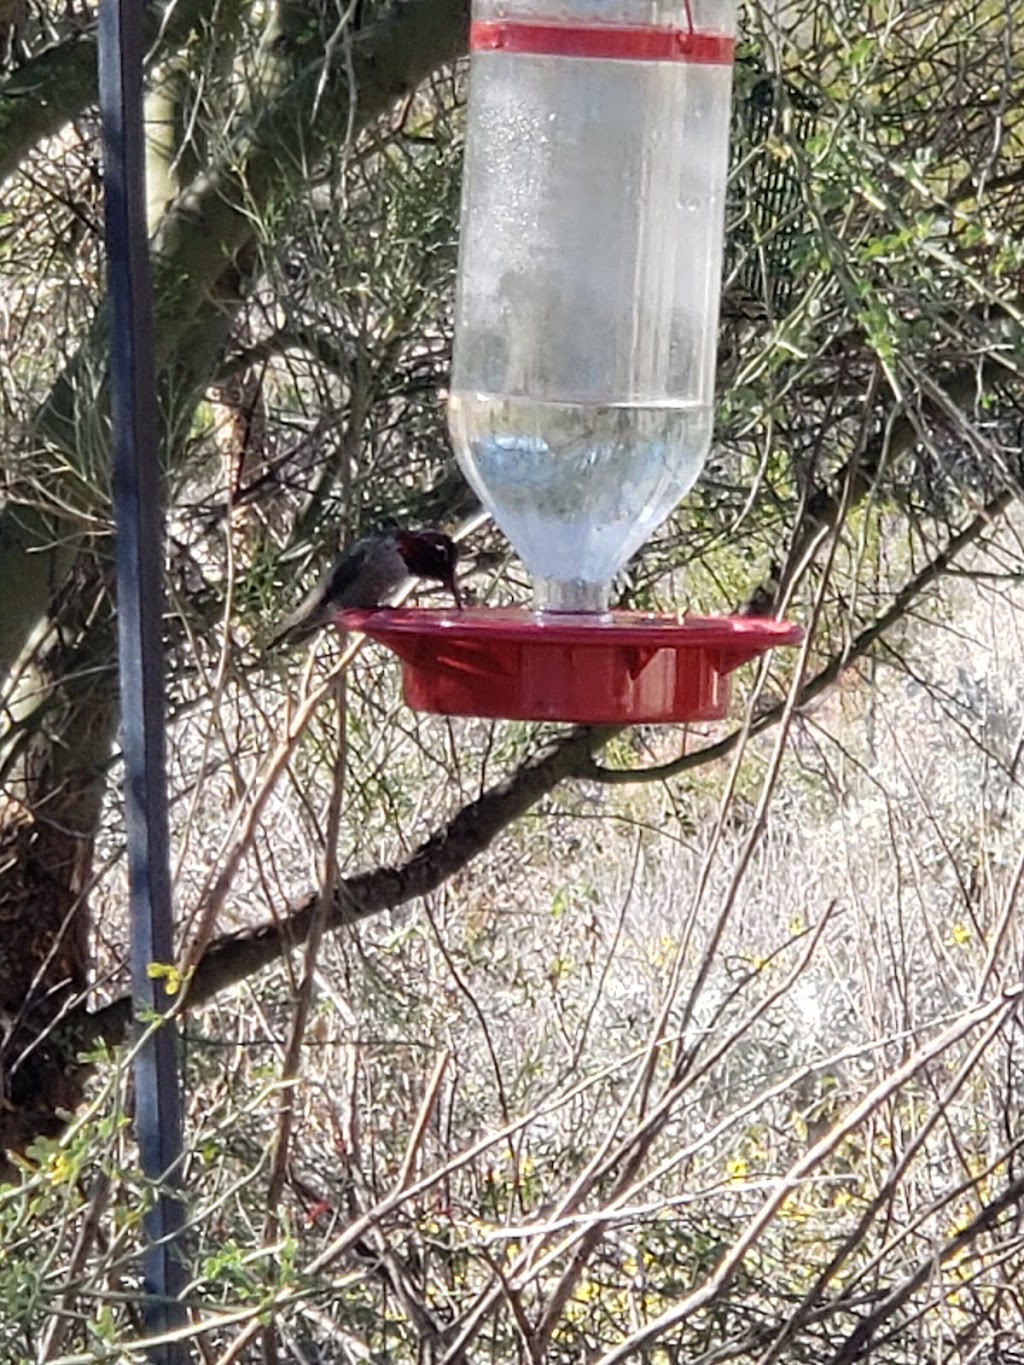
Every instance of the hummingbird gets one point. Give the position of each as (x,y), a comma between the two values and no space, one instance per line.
(369,573)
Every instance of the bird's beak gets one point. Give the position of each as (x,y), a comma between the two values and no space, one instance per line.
(453,588)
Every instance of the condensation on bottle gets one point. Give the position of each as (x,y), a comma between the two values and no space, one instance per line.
(589,273)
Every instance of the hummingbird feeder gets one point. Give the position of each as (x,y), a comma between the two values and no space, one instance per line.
(582,392)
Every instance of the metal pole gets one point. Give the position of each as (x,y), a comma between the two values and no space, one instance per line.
(138,519)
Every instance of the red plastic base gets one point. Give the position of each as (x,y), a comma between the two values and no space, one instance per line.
(627,667)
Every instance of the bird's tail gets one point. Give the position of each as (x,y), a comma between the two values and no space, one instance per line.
(304,622)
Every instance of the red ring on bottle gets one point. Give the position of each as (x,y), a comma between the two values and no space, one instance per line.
(625,43)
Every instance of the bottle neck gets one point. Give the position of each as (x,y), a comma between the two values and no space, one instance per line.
(569,596)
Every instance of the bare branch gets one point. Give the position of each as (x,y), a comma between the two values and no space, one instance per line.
(468,834)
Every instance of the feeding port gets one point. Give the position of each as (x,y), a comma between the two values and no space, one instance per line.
(631,667)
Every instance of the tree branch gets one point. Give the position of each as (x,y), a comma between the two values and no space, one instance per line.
(827,676)
(204,257)
(48,90)
(469,833)
(858,476)
(859,1342)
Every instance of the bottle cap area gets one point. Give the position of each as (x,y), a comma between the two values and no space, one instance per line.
(616,668)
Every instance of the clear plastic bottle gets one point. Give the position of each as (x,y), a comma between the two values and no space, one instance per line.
(587,307)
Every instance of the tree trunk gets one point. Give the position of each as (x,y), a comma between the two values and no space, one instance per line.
(54,761)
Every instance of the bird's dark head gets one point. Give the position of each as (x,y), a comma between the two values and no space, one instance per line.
(431,554)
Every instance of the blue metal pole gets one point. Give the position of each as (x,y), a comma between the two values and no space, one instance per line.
(139,552)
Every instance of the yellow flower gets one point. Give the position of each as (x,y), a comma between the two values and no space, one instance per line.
(61,1169)
(737,1169)
(172,977)
(586,1289)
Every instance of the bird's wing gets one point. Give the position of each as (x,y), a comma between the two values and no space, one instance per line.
(337,582)
(320,604)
